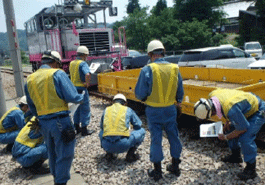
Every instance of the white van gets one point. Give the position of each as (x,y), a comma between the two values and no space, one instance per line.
(217,57)
(254,49)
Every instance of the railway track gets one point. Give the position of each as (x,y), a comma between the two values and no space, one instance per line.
(10,71)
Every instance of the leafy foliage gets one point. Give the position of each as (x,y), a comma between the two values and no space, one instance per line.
(160,6)
(137,30)
(186,10)
(132,6)
(4,43)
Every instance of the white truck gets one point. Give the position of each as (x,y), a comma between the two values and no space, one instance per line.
(254,49)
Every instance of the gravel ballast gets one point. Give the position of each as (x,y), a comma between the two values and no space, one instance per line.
(200,158)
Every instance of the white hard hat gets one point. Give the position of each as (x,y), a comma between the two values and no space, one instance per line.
(82,49)
(23,100)
(52,55)
(203,109)
(119,96)
(154,45)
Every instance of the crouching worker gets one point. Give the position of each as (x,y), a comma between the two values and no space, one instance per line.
(115,134)
(12,122)
(29,149)
(245,113)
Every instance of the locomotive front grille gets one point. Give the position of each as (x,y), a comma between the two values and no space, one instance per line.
(95,41)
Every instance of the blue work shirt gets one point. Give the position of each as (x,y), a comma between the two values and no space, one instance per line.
(83,69)
(144,85)
(15,117)
(131,117)
(64,89)
(236,115)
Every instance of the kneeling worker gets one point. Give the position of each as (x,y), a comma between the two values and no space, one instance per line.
(246,115)
(12,122)
(29,148)
(115,135)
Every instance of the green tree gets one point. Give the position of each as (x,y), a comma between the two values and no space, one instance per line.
(160,6)
(164,28)
(24,57)
(195,34)
(132,6)
(136,29)
(186,10)
(260,5)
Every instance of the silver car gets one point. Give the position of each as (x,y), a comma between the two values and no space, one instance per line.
(217,57)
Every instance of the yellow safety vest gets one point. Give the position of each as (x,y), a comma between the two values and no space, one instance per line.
(114,121)
(74,73)
(23,136)
(43,93)
(165,82)
(229,97)
(2,129)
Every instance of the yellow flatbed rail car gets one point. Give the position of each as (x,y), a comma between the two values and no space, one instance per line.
(197,82)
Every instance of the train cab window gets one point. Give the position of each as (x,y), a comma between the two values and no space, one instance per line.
(29,30)
(79,22)
(34,25)
(63,22)
(48,23)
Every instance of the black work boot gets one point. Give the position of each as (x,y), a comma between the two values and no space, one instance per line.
(38,168)
(9,147)
(60,184)
(85,131)
(156,173)
(131,155)
(249,172)
(110,156)
(235,157)
(174,167)
(77,128)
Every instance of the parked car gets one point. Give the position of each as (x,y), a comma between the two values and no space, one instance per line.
(254,49)
(133,62)
(134,53)
(220,57)
(260,64)
(173,58)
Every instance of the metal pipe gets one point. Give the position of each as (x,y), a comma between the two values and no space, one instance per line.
(14,46)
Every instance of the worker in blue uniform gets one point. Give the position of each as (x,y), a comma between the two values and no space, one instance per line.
(115,134)
(159,86)
(29,148)
(245,115)
(12,122)
(80,76)
(48,91)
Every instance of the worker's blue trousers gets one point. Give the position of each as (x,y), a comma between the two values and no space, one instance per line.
(159,119)
(247,140)
(60,155)
(9,137)
(82,114)
(123,144)
(27,156)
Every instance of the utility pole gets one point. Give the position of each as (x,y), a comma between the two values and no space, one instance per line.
(14,46)
(2,98)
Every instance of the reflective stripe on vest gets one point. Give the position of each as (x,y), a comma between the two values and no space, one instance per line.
(2,129)
(229,97)
(23,136)
(74,73)
(43,93)
(165,82)
(114,121)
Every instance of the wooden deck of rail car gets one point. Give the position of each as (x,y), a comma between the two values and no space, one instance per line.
(197,82)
